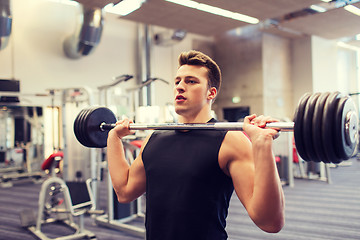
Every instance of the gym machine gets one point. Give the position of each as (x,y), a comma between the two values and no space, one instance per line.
(120,216)
(59,202)
(21,143)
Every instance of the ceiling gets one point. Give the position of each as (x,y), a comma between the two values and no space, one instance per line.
(334,24)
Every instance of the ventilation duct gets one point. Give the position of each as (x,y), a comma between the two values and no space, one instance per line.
(87,35)
(169,38)
(5,23)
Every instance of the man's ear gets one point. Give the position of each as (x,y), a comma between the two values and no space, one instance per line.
(212,92)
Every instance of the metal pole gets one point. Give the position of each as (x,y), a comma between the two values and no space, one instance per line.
(147,64)
(290,161)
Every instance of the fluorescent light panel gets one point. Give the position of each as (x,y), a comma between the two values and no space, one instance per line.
(215,10)
(317,8)
(186,3)
(125,7)
(352,9)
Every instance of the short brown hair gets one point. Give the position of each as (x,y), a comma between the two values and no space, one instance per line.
(200,59)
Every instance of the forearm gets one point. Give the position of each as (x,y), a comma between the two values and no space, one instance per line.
(268,197)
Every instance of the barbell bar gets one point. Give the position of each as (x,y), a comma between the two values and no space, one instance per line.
(230,126)
(326,127)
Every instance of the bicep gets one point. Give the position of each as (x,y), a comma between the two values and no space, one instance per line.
(240,165)
(242,175)
(136,184)
(137,178)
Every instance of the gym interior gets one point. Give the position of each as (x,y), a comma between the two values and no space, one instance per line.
(62,61)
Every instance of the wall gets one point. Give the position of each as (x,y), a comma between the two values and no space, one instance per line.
(38,31)
(239,57)
(301,67)
(276,76)
(164,64)
(324,64)
(35,52)
(257,68)
(319,65)
(348,80)
(35,57)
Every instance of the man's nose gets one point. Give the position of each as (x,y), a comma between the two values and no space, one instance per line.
(180,86)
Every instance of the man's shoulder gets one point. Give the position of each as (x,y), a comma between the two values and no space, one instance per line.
(235,144)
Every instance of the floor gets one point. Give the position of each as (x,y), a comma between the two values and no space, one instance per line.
(315,210)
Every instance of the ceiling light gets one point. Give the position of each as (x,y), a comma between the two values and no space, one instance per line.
(186,3)
(216,10)
(213,10)
(352,9)
(125,7)
(244,18)
(317,8)
(326,0)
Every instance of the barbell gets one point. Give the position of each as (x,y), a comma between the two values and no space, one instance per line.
(326,127)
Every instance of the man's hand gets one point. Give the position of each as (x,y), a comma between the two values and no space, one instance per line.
(255,127)
(122,128)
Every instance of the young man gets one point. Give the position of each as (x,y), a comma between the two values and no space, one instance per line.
(189,176)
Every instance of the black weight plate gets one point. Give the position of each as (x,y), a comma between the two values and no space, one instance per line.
(329,126)
(97,137)
(82,130)
(298,126)
(308,128)
(78,125)
(345,148)
(317,127)
(341,146)
(353,133)
(85,129)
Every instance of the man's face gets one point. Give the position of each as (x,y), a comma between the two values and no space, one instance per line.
(190,89)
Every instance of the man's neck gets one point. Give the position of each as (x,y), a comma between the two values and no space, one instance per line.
(201,117)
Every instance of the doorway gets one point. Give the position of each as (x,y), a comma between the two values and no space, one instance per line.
(236,114)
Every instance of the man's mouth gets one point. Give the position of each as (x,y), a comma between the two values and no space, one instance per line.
(180,98)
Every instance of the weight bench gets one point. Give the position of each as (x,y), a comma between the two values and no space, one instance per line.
(7,179)
(76,199)
(52,163)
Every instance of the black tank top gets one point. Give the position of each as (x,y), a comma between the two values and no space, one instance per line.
(187,194)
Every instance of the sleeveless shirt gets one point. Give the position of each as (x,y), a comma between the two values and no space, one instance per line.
(187,193)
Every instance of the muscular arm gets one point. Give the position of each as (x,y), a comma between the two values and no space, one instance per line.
(252,167)
(128,180)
